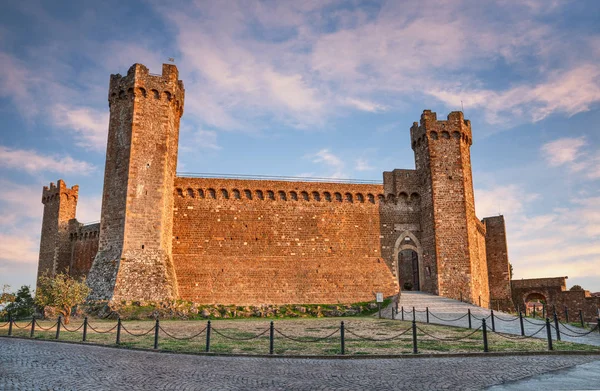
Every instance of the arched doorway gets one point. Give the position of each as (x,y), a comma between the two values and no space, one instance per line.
(534,300)
(408,256)
(408,263)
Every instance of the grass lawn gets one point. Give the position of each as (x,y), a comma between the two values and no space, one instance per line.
(363,336)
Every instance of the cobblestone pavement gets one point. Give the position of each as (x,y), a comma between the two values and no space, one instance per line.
(42,365)
(447,311)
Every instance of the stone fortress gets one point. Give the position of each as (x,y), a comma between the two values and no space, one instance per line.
(249,242)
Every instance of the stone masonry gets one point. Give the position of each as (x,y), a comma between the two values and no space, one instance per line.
(244,241)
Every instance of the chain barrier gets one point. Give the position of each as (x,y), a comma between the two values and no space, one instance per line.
(69,330)
(24,327)
(134,334)
(379,339)
(509,336)
(448,320)
(576,336)
(45,329)
(506,320)
(315,339)
(5,324)
(181,338)
(449,339)
(530,322)
(102,331)
(478,318)
(240,339)
(573,331)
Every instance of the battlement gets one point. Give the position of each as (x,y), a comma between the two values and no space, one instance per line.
(139,83)
(53,192)
(430,128)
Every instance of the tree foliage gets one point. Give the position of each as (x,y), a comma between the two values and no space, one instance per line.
(5,299)
(62,292)
(576,288)
(23,305)
(510,270)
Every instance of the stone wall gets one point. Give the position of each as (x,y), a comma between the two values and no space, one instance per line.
(84,246)
(497,259)
(250,242)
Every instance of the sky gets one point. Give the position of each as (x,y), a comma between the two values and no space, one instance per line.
(321,89)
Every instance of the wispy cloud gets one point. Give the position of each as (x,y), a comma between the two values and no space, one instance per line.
(331,165)
(33,162)
(572,153)
(90,125)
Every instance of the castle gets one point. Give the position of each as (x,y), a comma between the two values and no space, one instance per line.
(248,241)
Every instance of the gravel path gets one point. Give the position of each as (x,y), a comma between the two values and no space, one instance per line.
(447,312)
(42,365)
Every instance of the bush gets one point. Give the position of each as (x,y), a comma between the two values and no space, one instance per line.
(576,288)
(407,286)
(61,292)
(23,305)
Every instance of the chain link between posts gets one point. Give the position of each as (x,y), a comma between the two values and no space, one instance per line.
(449,339)
(239,339)
(182,338)
(44,328)
(314,339)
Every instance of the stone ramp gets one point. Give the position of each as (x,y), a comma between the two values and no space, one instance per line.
(451,312)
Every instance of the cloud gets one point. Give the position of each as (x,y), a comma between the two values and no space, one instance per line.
(363,165)
(34,162)
(206,139)
(571,152)
(90,125)
(17,248)
(365,105)
(332,164)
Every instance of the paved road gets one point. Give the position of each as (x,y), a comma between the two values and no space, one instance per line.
(33,365)
(447,311)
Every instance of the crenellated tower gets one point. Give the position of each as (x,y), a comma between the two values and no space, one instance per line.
(134,260)
(452,236)
(60,203)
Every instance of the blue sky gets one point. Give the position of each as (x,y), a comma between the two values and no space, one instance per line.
(318,88)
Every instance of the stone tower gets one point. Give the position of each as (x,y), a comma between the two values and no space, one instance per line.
(60,203)
(449,226)
(134,260)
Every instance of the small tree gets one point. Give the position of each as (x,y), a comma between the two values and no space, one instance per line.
(576,288)
(5,299)
(23,305)
(510,270)
(62,292)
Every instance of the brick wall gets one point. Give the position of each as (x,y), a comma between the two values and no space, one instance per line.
(84,246)
(497,258)
(251,242)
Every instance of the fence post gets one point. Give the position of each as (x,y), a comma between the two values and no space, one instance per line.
(414,316)
(556,326)
(85,324)
(566,314)
(581,319)
(534,311)
(32,326)
(521,321)
(480,300)
(58,326)
(469,312)
(461,296)
(156,329)
(414,330)
(208,337)
(392,312)
(543,310)
(402,309)
(549,334)
(493,322)
(343,342)
(427,313)
(598,325)
(485,341)
(119,331)
(10,325)
(271,337)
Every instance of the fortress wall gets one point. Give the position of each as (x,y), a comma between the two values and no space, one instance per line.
(497,258)
(278,242)
(84,246)
(479,269)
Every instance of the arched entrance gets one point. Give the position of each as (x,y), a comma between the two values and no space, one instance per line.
(408,256)
(534,299)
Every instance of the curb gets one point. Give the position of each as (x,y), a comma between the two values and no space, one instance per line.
(323,357)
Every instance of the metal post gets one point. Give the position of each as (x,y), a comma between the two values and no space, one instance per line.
(556,326)
(156,329)
(521,321)
(10,321)
(343,342)
(379,309)
(461,297)
(208,337)
(581,319)
(469,312)
(32,326)
(598,325)
(480,300)
(534,311)
(543,310)
(85,324)
(402,309)
(485,340)
(58,327)
(393,312)
(493,322)
(566,314)
(118,331)
(414,314)
(271,337)
(414,330)
(427,313)
(549,334)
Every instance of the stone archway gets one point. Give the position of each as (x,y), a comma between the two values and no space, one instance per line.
(405,242)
